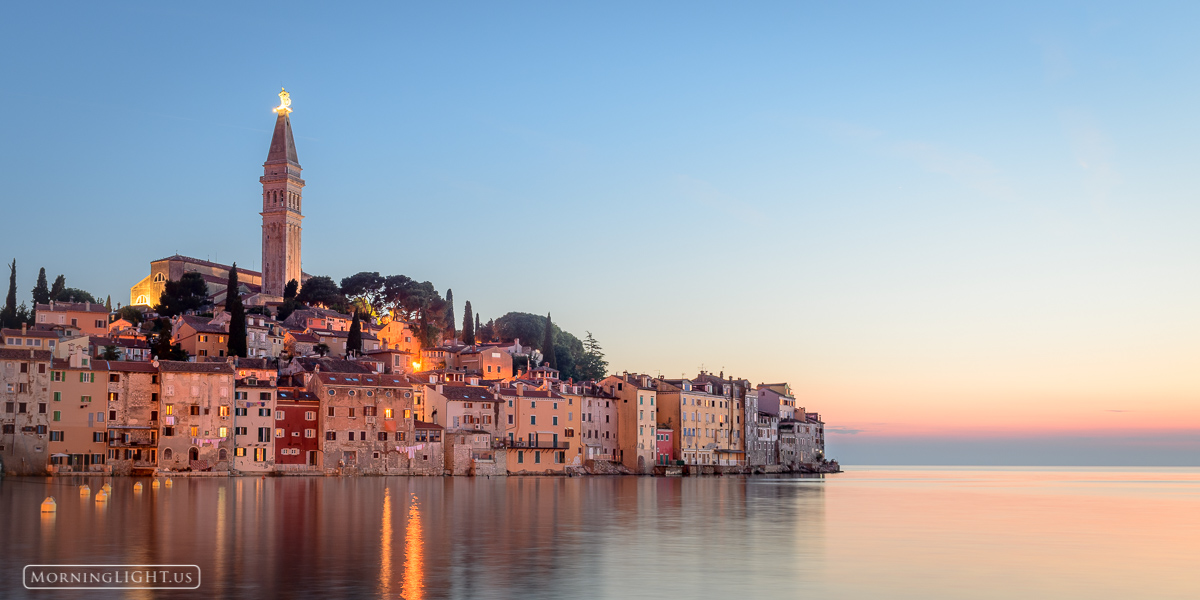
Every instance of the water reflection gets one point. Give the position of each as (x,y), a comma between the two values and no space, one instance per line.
(630,537)
(413,586)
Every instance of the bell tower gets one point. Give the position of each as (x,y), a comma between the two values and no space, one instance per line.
(281,205)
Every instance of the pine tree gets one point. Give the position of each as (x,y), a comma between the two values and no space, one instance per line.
(592,365)
(426,333)
(237,316)
(41,291)
(468,334)
(354,340)
(60,284)
(108,303)
(289,290)
(449,320)
(9,314)
(548,344)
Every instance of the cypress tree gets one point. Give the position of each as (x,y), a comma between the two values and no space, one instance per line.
(60,284)
(9,314)
(354,340)
(477,328)
(426,330)
(450,324)
(468,336)
(41,291)
(108,303)
(548,344)
(237,316)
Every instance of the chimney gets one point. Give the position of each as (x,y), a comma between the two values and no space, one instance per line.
(439,388)
(24,327)
(520,389)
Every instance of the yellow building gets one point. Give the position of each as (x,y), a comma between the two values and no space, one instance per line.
(702,421)
(147,291)
(636,416)
(541,429)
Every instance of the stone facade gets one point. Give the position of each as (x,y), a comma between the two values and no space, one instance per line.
(78,387)
(24,430)
(134,417)
(254,423)
(637,424)
(367,425)
(197,403)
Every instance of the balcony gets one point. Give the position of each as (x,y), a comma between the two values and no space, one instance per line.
(537,445)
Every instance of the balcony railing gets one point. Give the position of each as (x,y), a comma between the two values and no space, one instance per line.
(538,444)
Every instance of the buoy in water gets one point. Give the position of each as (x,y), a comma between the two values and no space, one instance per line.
(48,505)
(107,487)
(84,490)
(154,484)
(101,496)
(137,487)
(168,482)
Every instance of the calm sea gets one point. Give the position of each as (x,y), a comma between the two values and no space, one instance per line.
(872,532)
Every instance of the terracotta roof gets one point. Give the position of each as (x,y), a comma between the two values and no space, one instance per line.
(255,363)
(204,263)
(99,341)
(529,393)
(191,367)
(364,380)
(258,383)
(467,392)
(130,366)
(62,363)
(418,424)
(290,396)
(93,307)
(202,324)
(37,333)
(331,365)
(22,354)
(304,338)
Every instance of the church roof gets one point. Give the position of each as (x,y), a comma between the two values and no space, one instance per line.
(283,147)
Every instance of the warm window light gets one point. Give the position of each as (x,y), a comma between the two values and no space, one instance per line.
(416,366)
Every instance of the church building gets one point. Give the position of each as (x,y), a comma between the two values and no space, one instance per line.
(281,217)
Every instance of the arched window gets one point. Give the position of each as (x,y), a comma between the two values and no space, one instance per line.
(158,278)
(167,454)
(194,454)
(223,454)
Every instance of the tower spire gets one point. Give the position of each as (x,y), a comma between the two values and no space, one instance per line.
(281,214)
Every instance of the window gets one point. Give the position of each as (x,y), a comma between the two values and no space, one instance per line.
(21,407)
(264,433)
(520,456)
(266,412)
(350,435)
(41,408)
(98,436)
(85,398)
(331,411)
(114,377)
(260,454)
(58,415)
(9,428)
(264,395)
(58,376)
(239,431)
(533,419)
(169,409)
(239,412)
(56,436)
(350,412)
(510,419)
(331,435)
(369,411)
(223,411)
(388,413)
(239,451)
(407,413)
(194,410)
(168,432)
(310,433)
(112,415)
(537,457)
(223,432)
(310,415)
(382,436)
(194,431)
(555,418)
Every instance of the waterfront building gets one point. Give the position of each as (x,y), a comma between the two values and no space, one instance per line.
(77,409)
(665,453)
(471,417)
(540,429)
(200,398)
(201,336)
(598,421)
(254,416)
(636,420)
(701,417)
(298,449)
(134,417)
(777,399)
(366,424)
(24,426)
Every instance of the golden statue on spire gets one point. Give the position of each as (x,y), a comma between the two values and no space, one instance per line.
(285,102)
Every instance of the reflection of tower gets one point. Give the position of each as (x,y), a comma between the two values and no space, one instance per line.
(281,205)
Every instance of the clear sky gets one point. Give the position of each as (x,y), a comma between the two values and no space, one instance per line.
(964,232)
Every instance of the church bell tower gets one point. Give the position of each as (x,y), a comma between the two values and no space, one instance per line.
(281,205)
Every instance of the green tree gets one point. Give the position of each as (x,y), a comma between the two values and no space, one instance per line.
(8,315)
(324,292)
(427,332)
(321,349)
(161,344)
(354,339)
(110,353)
(178,297)
(237,316)
(24,315)
(60,284)
(41,291)
(289,290)
(365,287)
(548,343)
(75,295)
(486,333)
(448,315)
(130,314)
(476,331)
(108,303)
(286,309)
(592,366)
(468,332)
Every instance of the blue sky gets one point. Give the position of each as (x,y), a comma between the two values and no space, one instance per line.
(930,218)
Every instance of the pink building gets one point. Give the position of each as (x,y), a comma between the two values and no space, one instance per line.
(664,451)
